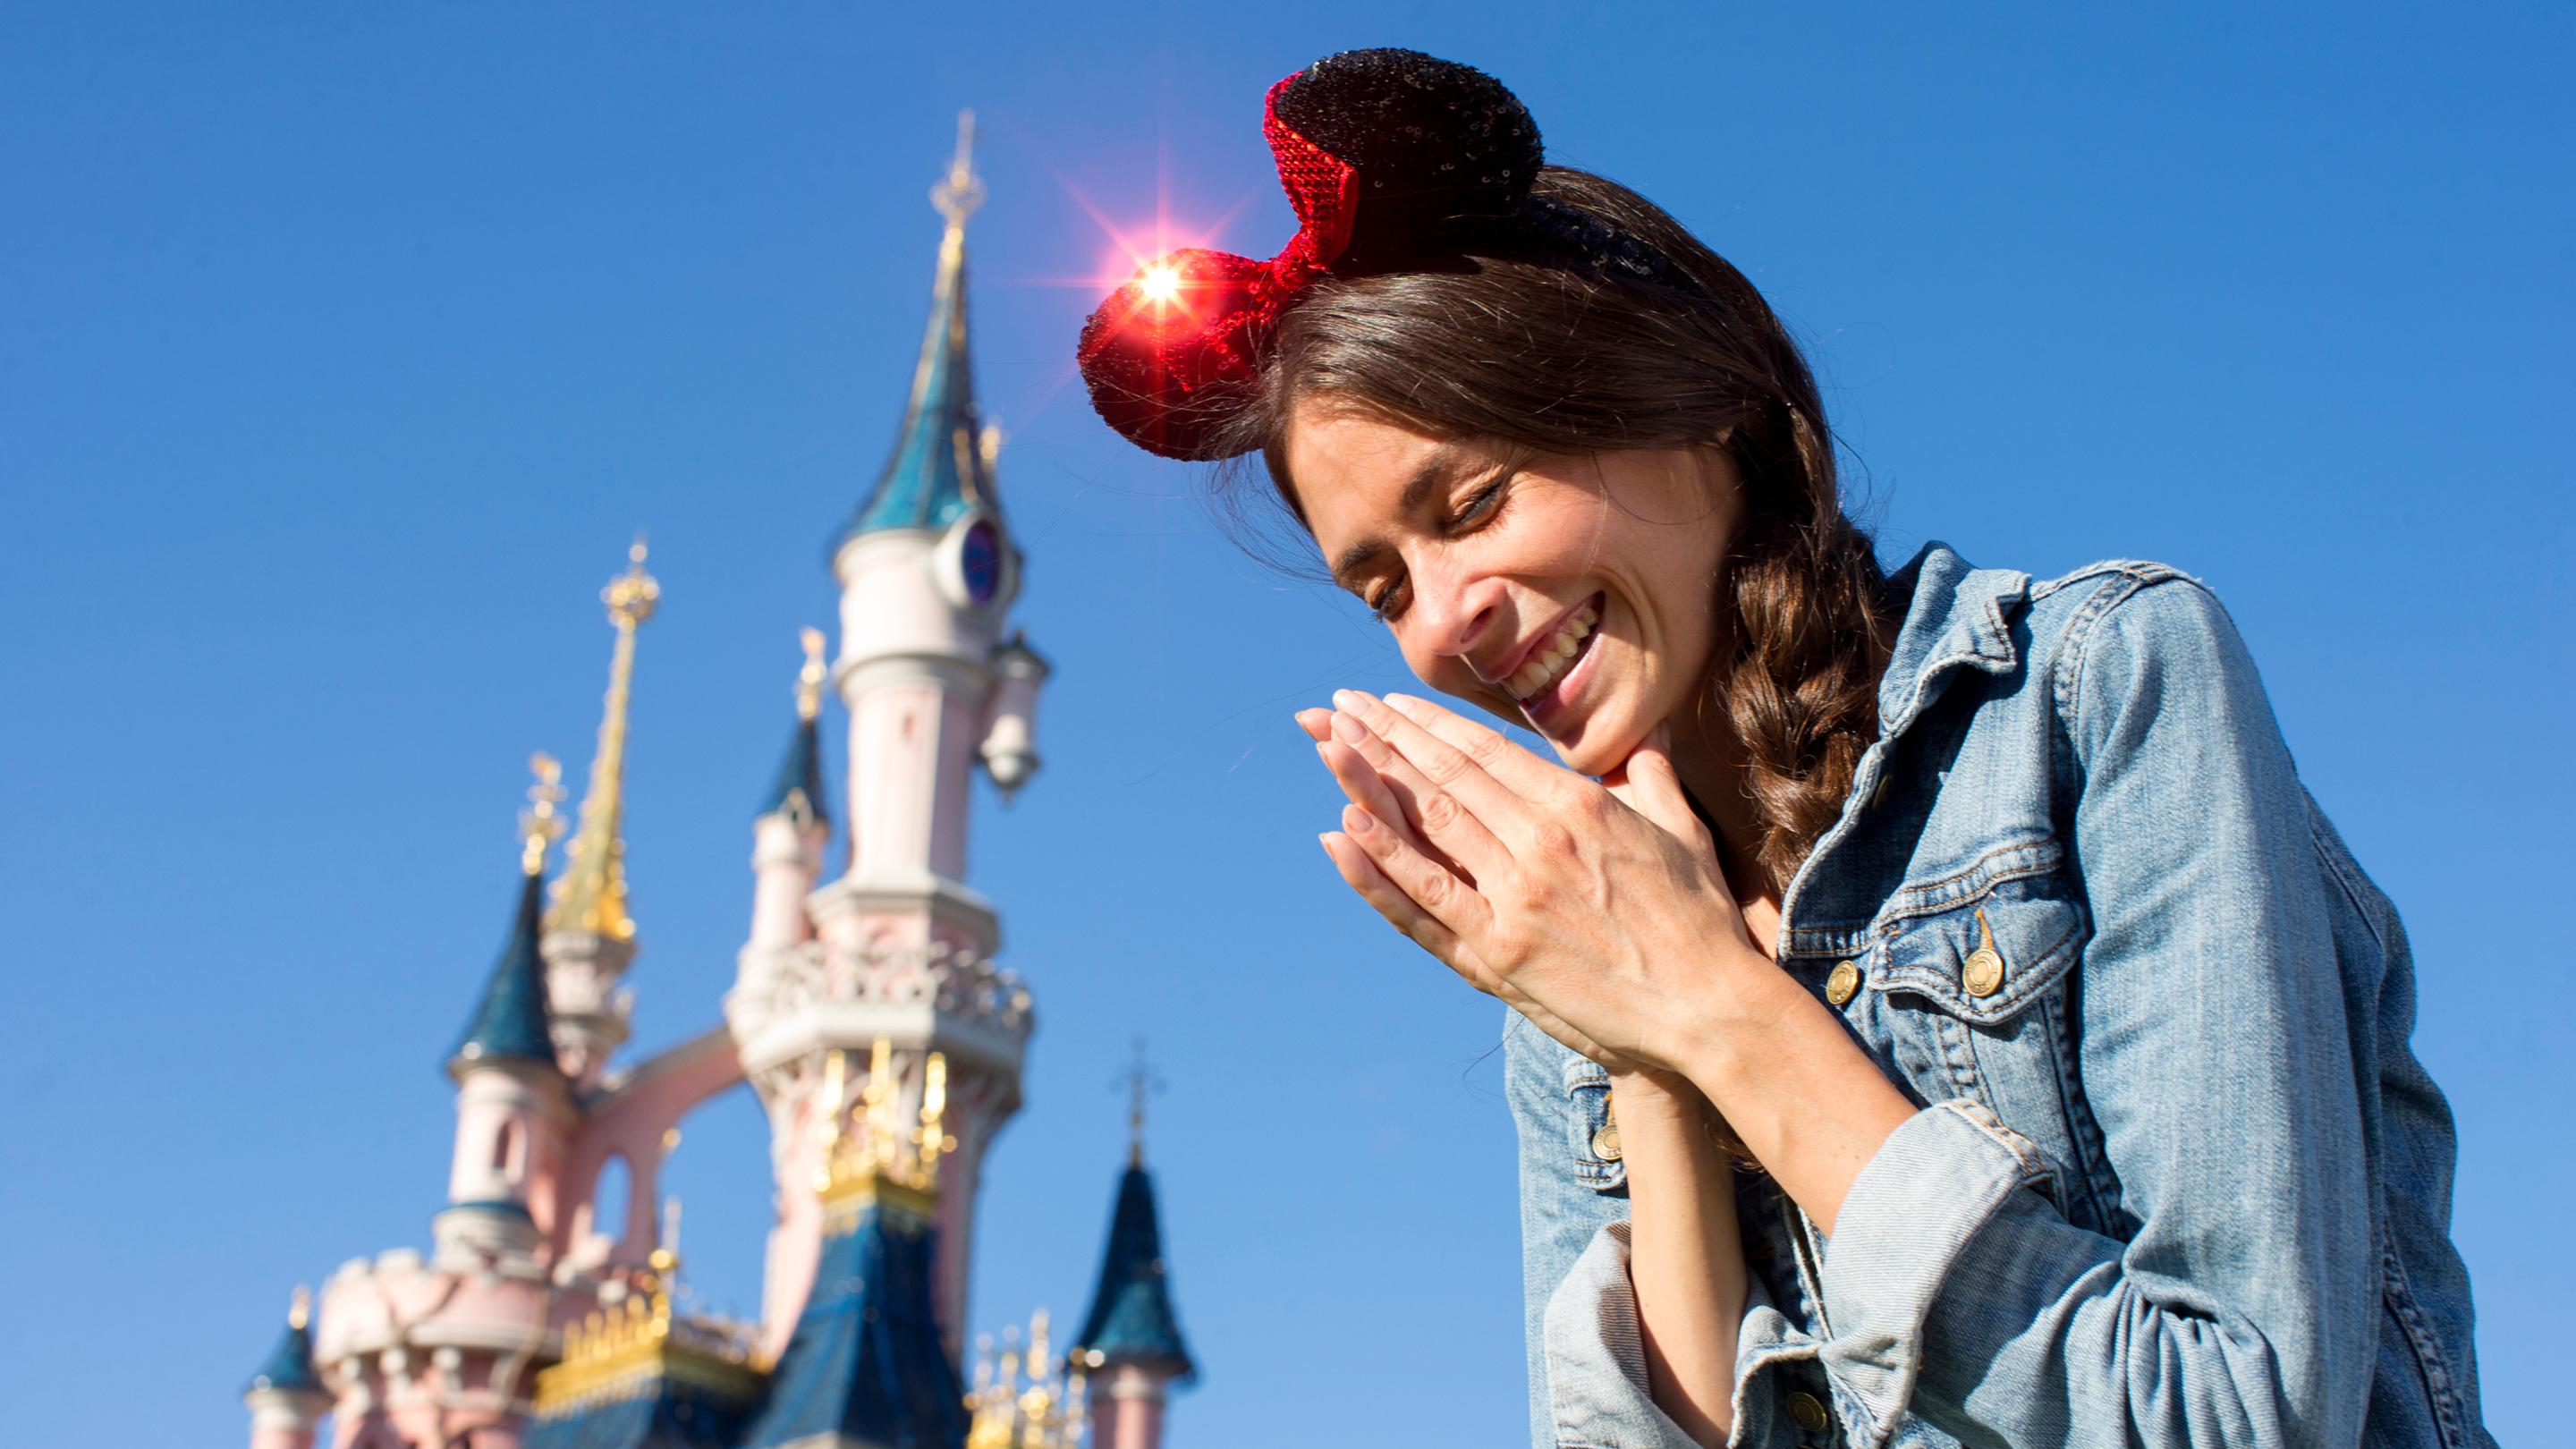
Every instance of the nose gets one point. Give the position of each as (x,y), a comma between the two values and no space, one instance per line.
(1454,611)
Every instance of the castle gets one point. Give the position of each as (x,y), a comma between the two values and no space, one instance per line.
(867,1014)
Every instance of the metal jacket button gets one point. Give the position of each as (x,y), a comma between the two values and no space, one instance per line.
(1843,984)
(1983,972)
(1809,1411)
(1605,1140)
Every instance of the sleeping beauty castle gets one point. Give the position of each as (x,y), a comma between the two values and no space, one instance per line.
(867,1014)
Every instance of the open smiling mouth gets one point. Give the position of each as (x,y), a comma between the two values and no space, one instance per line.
(1560,668)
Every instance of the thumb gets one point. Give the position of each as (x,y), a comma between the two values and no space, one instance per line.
(1647,783)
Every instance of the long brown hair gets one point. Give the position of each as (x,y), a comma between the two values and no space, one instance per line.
(1562,361)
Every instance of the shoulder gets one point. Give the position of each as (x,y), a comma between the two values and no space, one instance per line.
(2141,650)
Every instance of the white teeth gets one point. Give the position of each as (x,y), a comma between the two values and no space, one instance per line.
(1541,670)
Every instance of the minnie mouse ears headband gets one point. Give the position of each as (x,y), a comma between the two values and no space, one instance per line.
(1393,161)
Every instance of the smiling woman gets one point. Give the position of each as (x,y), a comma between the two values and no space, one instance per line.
(1983,918)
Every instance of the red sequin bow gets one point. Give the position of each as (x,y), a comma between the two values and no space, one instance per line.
(1383,154)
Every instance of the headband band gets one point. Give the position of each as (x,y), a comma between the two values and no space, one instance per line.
(1393,161)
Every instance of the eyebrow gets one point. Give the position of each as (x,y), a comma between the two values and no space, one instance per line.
(1435,470)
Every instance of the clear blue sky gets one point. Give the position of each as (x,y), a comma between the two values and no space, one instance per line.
(342,349)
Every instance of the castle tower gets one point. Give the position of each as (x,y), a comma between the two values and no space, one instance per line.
(898,948)
(286,1398)
(1131,1342)
(927,570)
(428,1350)
(793,827)
(589,938)
(513,1107)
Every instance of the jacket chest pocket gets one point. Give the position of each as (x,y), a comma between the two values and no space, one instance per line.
(1976,1000)
(1592,1127)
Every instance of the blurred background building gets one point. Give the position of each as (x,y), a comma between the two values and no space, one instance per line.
(868,1014)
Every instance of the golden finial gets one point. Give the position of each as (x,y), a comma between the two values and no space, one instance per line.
(931,1139)
(1033,1401)
(988,444)
(876,1108)
(959,192)
(539,825)
(881,1153)
(809,680)
(299,1310)
(666,1253)
(590,895)
(835,1087)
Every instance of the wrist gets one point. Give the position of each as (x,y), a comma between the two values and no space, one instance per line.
(1729,1029)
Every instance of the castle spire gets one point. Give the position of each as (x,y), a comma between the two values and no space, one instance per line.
(286,1397)
(289,1368)
(941,466)
(511,1022)
(798,789)
(1131,1340)
(591,893)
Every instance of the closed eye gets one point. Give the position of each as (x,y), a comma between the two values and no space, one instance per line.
(1480,507)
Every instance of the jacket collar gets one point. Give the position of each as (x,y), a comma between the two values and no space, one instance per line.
(1959,616)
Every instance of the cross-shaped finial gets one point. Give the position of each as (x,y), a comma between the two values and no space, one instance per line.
(1141,1081)
(539,824)
(959,193)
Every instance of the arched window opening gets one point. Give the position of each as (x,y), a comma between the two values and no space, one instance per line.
(608,1198)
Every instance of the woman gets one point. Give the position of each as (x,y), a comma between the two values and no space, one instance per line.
(1982,920)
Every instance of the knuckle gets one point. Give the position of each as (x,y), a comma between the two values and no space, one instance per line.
(1436,889)
(1442,766)
(1486,747)
(1552,838)
(1439,812)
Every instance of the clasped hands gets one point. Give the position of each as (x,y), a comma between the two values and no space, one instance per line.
(1597,910)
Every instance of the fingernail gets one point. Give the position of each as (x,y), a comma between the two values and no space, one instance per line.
(1348,730)
(1357,821)
(1324,838)
(1351,700)
(1403,704)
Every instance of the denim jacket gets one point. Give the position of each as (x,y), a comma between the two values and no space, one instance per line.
(2175,1178)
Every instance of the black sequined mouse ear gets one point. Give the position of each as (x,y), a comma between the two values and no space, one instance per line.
(1431,147)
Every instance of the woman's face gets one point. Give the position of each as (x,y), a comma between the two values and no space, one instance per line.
(1571,594)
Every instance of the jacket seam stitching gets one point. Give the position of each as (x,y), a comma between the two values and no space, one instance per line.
(2399,1294)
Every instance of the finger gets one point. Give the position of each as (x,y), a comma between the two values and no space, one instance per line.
(1431,886)
(1647,783)
(1361,874)
(1526,775)
(1438,811)
(1317,723)
(1368,790)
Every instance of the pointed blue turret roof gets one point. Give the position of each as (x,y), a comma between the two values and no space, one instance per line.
(289,1368)
(867,1361)
(938,468)
(1131,1319)
(800,774)
(512,1022)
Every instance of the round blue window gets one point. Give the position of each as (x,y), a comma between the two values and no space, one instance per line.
(980,559)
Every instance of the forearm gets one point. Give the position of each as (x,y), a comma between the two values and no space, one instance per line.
(1686,1261)
(1808,1102)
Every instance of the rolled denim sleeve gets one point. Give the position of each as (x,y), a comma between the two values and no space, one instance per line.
(1594,1343)
(2215,1053)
